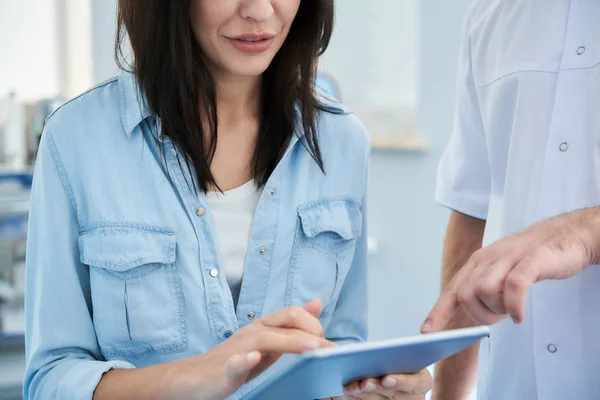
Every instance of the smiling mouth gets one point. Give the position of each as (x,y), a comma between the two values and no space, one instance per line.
(252,43)
(251,40)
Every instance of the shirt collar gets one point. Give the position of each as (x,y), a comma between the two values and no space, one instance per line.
(133,106)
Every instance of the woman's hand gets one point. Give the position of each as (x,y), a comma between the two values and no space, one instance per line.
(223,369)
(391,387)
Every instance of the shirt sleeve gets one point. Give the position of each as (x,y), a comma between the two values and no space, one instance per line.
(62,352)
(463,180)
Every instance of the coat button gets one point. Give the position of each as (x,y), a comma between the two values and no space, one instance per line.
(564,146)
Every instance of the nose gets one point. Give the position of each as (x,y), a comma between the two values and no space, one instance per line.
(257,10)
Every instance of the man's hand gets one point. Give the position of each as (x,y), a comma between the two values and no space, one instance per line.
(495,280)
(391,387)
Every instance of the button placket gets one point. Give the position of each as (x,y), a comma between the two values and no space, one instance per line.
(250,303)
(213,282)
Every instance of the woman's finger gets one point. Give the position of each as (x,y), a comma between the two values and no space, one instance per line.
(285,340)
(296,318)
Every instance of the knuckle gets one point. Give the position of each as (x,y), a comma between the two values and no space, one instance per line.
(515,282)
(479,256)
(487,289)
(463,297)
(263,340)
(294,313)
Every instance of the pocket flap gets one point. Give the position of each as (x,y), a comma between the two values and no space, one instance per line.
(120,248)
(342,217)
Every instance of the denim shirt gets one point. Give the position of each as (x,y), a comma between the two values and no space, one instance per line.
(123,268)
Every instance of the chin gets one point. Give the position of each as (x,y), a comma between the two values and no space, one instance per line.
(248,70)
(247,66)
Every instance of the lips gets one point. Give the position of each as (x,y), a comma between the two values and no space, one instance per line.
(252,43)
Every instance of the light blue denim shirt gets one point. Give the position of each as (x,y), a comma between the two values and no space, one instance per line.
(123,268)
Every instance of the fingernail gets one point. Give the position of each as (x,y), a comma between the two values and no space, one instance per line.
(310,344)
(389,382)
(427,325)
(370,387)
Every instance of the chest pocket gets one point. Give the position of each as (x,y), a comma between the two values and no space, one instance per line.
(137,299)
(323,251)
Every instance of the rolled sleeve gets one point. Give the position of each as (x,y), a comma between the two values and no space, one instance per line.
(71,378)
(63,357)
(463,178)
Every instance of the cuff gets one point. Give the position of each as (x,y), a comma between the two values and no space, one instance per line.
(475,206)
(81,380)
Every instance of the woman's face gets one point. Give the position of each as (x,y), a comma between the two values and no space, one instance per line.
(242,37)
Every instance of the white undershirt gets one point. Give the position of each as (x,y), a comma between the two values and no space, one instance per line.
(232,213)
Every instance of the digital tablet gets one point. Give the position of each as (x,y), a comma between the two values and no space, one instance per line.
(324,372)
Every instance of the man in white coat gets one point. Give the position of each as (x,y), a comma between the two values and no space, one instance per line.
(521,174)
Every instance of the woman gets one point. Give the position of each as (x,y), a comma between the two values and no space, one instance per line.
(185,216)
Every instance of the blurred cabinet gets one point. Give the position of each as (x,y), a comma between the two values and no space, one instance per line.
(14,210)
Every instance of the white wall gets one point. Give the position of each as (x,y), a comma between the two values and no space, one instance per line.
(28,51)
(75,46)
(374,52)
(103,26)
(45,48)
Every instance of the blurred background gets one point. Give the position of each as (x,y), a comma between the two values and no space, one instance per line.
(392,62)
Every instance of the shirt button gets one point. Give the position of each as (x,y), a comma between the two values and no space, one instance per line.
(214,272)
(228,334)
(564,146)
(273,192)
(262,251)
(200,211)
(251,315)
(552,348)
(174,152)
(581,50)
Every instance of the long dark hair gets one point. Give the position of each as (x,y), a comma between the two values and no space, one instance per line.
(172,74)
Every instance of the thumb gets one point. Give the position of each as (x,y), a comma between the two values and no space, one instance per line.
(314,308)
(239,366)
